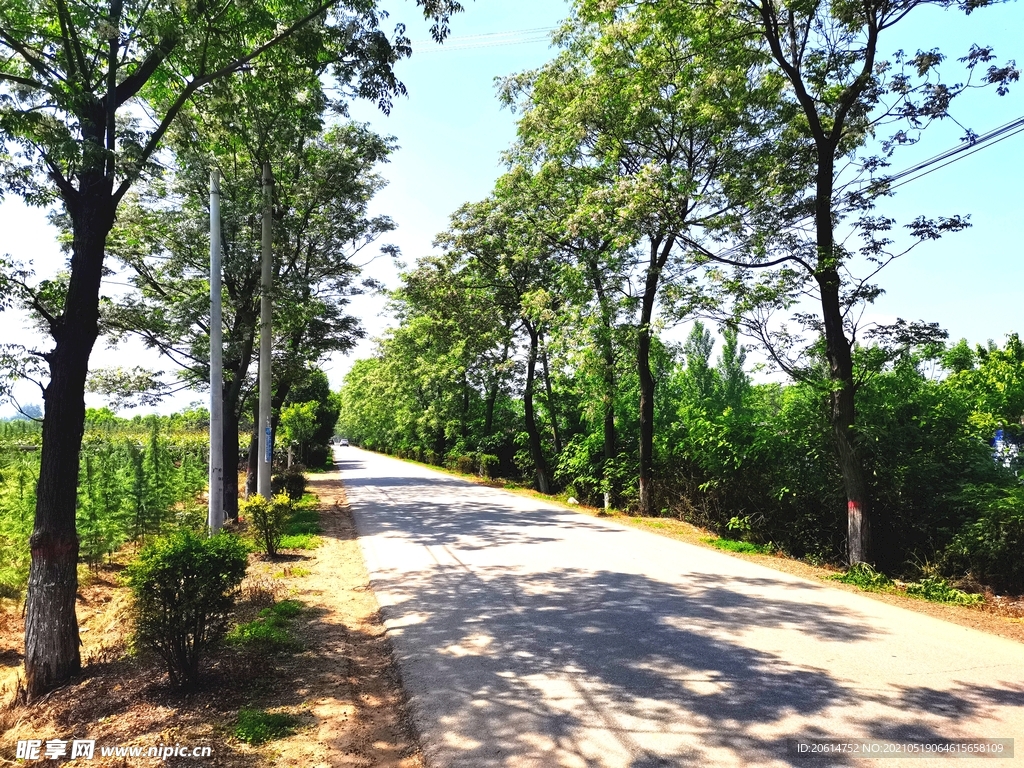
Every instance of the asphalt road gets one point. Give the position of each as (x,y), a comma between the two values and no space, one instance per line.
(529,635)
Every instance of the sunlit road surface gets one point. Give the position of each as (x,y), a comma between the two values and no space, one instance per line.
(529,635)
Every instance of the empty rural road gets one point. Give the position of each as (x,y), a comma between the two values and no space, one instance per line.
(529,635)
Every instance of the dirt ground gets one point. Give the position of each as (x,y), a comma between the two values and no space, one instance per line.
(343,685)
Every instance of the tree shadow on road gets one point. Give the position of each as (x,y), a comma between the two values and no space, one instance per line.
(577,666)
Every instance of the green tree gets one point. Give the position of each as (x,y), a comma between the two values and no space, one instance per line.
(842,92)
(73,75)
(320,409)
(495,245)
(323,184)
(662,106)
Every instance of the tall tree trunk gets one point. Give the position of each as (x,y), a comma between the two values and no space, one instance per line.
(536,450)
(234,402)
(492,395)
(552,410)
(252,464)
(660,249)
(608,381)
(842,400)
(492,398)
(51,626)
(440,447)
(464,417)
(230,442)
(253,459)
(828,136)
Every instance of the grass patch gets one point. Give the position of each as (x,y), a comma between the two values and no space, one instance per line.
(300,541)
(744,547)
(932,588)
(257,726)
(864,576)
(938,590)
(309,501)
(302,529)
(269,632)
(303,524)
(286,609)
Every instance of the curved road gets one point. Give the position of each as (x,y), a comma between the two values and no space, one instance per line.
(529,635)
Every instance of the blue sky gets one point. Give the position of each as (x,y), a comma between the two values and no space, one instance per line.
(452,130)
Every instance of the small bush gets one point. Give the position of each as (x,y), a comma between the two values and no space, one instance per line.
(465,464)
(938,590)
(268,519)
(864,576)
(256,726)
(183,589)
(489,464)
(260,591)
(10,591)
(291,481)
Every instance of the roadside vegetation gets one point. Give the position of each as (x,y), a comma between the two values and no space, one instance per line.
(677,165)
(302,667)
(753,461)
(687,189)
(138,479)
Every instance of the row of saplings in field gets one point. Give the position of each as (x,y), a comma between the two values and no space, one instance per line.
(185,585)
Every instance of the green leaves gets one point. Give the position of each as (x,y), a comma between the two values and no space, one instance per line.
(183,588)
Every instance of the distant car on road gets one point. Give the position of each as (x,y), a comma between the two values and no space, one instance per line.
(342,441)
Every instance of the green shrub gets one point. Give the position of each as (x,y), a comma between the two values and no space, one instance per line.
(256,726)
(465,464)
(291,481)
(268,519)
(10,591)
(991,547)
(864,576)
(489,464)
(183,588)
(938,590)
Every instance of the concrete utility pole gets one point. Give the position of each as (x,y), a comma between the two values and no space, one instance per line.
(266,339)
(215,513)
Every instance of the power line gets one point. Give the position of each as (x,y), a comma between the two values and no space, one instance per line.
(959,152)
(489,40)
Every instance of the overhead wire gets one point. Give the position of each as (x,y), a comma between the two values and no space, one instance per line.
(487,40)
(959,152)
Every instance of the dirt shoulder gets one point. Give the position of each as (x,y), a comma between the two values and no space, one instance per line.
(1003,616)
(342,685)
